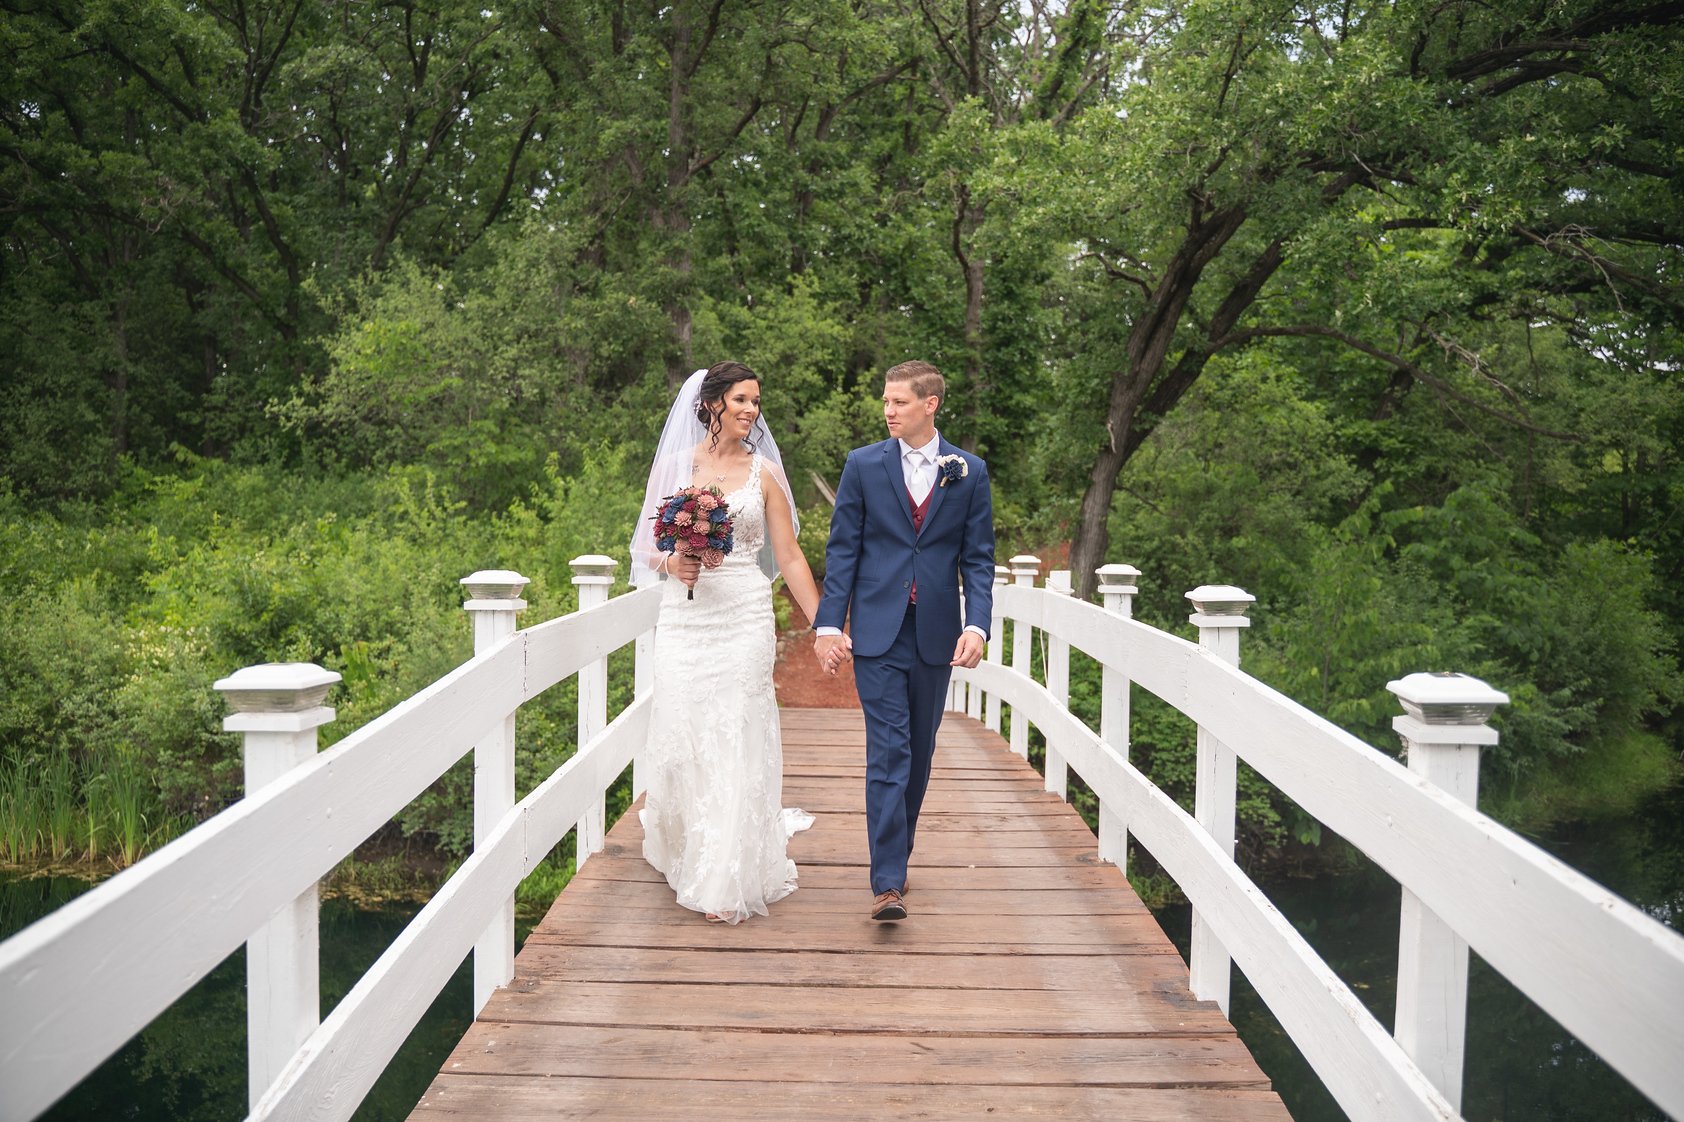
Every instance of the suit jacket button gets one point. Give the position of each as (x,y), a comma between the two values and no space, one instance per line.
(906,584)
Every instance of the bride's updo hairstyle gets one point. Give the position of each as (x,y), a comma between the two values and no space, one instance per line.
(716,383)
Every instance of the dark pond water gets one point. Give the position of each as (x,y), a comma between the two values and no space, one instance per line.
(189,1065)
(1521,1065)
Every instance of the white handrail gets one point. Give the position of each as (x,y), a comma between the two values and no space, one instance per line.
(1539,922)
(1362,1066)
(78,983)
(335,1068)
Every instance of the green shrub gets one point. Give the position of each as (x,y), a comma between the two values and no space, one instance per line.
(110,730)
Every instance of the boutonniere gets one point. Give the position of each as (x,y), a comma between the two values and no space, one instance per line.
(951,469)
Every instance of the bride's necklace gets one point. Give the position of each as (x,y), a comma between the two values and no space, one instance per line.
(706,468)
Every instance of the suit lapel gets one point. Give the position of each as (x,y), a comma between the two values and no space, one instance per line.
(896,478)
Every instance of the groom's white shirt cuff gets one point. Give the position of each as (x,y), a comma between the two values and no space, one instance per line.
(983,635)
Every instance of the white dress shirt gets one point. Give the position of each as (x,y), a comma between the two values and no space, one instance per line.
(918,467)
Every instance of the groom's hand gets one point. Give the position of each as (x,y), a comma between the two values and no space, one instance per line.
(832,651)
(969,651)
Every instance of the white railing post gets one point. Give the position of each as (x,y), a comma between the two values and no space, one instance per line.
(493,603)
(1058,684)
(592,574)
(1219,614)
(996,647)
(1117,586)
(643,680)
(278,706)
(973,693)
(1443,730)
(1024,571)
(956,688)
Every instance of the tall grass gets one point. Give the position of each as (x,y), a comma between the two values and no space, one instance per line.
(55,779)
(20,824)
(102,809)
(132,804)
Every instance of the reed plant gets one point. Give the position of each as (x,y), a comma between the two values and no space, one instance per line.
(104,809)
(55,779)
(92,818)
(20,819)
(133,808)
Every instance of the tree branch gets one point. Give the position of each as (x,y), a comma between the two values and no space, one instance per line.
(1396,361)
(736,131)
(509,172)
(707,39)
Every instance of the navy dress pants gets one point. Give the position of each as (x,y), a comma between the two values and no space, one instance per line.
(903,699)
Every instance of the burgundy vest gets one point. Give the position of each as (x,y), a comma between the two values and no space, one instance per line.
(918,512)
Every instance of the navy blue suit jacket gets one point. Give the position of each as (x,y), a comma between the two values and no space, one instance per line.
(874,554)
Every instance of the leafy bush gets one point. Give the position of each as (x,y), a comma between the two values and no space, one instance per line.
(126,616)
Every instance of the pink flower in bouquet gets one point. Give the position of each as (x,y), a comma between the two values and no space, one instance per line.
(694,520)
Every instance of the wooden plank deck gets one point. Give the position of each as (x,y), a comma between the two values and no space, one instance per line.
(1030,981)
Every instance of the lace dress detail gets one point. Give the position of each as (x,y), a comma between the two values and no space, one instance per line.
(714,821)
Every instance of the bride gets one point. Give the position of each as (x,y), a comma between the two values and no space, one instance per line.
(714,822)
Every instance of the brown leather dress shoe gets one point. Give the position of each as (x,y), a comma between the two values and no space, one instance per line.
(888,906)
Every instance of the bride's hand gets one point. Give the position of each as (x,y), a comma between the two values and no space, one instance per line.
(686,567)
(832,651)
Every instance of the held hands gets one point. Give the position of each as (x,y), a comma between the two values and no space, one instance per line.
(832,651)
(969,650)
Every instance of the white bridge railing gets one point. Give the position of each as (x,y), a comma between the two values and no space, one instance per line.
(1610,974)
(77,984)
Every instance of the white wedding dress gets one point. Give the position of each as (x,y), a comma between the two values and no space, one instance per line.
(714,822)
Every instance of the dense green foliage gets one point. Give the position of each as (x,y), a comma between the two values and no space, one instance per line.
(129,611)
(310,309)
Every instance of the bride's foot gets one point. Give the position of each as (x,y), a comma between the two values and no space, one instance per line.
(715,919)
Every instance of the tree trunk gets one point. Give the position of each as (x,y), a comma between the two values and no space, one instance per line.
(1093,537)
(965,223)
(1148,350)
(118,380)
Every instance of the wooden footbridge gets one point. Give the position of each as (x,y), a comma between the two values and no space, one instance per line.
(1029,982)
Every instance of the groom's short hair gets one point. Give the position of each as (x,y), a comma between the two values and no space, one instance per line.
(925,379)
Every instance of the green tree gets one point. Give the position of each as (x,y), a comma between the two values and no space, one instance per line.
(1261,152)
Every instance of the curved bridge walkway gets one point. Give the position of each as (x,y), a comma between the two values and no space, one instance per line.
(1029,980)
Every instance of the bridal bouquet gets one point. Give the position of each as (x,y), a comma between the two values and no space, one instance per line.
(694,520)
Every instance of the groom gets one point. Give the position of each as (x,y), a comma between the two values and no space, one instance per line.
(913,517)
